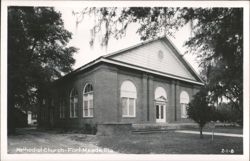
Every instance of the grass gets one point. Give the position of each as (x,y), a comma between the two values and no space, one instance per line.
(171,143)
(156,143)
(233,130)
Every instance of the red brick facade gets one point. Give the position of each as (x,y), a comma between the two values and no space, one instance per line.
(106,80)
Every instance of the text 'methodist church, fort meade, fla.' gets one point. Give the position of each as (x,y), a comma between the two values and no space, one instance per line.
(146,83)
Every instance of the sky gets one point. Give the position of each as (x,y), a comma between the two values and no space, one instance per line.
(81,37)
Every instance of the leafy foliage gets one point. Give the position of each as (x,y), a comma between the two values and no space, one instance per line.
(218,44)
(37,52)
(227,113)
(199,109)
(216,41)
(113,21)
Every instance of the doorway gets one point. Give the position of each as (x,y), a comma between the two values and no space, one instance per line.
(160,112)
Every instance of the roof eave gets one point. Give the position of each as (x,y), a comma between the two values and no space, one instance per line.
(108,59)
(115,62)
(111,61)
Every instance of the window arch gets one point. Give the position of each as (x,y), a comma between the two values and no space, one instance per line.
(184,101)
(128,99)
(160,94)
(73,103)
(88,108)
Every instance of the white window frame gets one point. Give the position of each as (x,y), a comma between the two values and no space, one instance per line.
(128,94)
(75,104)
(184,101)
(183,110)
(128,109)
(89,97)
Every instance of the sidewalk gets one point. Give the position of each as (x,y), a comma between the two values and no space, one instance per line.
(209,133)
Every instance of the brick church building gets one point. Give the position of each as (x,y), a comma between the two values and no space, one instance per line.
(146,83)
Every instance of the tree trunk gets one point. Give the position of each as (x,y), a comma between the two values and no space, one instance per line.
(201,135)
(10,111)
(10,120)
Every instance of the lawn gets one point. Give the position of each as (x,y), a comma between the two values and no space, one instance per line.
(172,143)
(157,143)
(221,129)
(30,140)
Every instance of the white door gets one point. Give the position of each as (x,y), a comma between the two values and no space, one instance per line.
(160,113)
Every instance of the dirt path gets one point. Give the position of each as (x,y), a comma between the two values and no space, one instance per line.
(32,140)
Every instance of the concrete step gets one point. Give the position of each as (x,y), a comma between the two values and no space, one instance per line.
(149,131)
(156,128)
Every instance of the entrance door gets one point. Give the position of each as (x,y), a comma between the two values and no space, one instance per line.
(160,113)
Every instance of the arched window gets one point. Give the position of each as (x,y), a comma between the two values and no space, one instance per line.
(88,109)
(128,99)
(73,103)
(160,94)
(184,100)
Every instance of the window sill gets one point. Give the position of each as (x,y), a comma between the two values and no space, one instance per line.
(73,117)
(88,117)
(128,116)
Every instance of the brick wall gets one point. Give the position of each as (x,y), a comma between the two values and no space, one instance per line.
(106,81)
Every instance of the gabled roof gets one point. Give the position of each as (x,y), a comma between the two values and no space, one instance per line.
(172,63)
(116,58)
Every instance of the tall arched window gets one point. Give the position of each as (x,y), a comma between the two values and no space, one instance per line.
(88,109)
(73,103)
(184,100)
(128,99)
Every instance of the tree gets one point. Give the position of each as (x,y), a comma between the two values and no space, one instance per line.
(199,109)
(37,54)
(227,113)
(216,41)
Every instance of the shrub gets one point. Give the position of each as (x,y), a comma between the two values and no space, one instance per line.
(199,109)
(227,113)
(89,129)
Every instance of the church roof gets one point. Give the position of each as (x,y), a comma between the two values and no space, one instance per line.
(158,56)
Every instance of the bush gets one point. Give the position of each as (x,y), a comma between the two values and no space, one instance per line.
(227,113)
(20,118)
(89,129)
